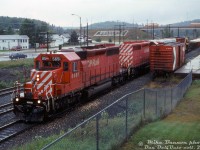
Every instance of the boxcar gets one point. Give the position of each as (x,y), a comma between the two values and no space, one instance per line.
(166,58)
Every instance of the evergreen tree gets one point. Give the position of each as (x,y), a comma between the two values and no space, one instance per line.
(10,31)
(28,28)
(74,37)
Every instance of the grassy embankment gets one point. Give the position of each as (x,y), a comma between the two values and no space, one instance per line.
(181,127)
(11,71)
(1,51)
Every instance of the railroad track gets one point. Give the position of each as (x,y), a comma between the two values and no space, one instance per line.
(12,129)
(6,108)
(6,91)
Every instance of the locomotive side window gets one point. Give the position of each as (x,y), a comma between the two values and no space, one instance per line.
(65,66)
(75,66)
(37,65)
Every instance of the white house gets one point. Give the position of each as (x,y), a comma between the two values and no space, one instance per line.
(58,40)
(7,42)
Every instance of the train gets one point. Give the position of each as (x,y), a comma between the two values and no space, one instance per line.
(62,79)
(71,76)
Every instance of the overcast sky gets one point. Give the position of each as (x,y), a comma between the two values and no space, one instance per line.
(58,12)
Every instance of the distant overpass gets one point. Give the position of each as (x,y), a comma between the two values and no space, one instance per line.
(157,31)
(171,27)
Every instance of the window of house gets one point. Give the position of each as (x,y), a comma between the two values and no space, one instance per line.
(75,66)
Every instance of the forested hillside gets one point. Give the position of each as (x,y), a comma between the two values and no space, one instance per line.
(34,29)
(12,25)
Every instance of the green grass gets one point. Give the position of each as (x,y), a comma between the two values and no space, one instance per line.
(17,63)
(4,51)
(38,143)
(110,134)
(14,70)
(183,125)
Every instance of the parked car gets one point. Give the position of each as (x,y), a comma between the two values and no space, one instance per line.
(16,48)
(17,56)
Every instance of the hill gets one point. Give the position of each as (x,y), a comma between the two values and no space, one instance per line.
(186,23)
(8,24)
(110,25)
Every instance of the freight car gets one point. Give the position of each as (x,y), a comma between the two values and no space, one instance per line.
(165,58)
(61,79)
(194,44)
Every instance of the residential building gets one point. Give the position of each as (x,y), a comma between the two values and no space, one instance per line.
(7,42)
(58,40)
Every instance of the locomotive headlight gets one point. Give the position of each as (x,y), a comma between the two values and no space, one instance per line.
(17,99)
(39,101)
(37,77)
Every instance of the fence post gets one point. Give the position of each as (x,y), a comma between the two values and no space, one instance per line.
(171,99)
(144,111)
(165,103)
(97,132)
(156,104)
(126,118)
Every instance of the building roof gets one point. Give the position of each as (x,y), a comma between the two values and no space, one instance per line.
(13,37)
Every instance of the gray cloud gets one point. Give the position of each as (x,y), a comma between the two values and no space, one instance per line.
(59,12)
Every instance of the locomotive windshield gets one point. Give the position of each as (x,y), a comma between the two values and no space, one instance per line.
(48,63)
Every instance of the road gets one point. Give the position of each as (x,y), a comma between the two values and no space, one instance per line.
(31,53)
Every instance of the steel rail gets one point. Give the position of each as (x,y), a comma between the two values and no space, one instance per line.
(13,129)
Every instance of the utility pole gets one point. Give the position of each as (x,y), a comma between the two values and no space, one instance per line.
(147,29)
(87,33)
(178,31)
(35,37)
(153,31)
(114,34)
(120,30)
(84,35)
(80,25)
(47,41)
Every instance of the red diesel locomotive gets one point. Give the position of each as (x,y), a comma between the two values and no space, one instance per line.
(134,57)
(63,78)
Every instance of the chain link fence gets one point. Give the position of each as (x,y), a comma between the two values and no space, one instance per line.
(110,127)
